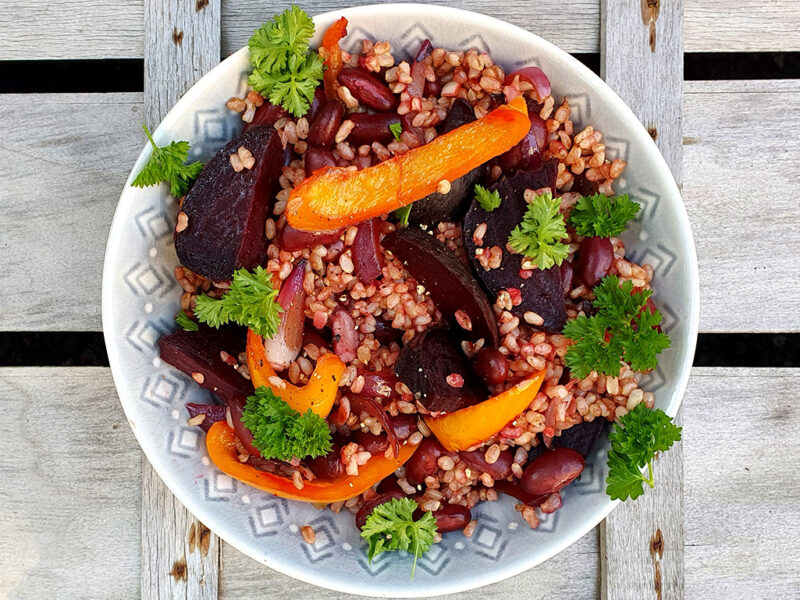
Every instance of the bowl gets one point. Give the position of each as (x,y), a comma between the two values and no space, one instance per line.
(140,297)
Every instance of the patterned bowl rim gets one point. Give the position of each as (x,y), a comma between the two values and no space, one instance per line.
(203,510)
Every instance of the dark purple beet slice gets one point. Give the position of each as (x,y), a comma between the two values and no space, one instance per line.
(581,437)
(213,413)
(448,280)
(541,292)
(424,364)
(199,352)
(437,207)
(227,209)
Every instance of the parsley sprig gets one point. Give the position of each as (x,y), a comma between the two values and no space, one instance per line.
(402,214)
(599,215)
(488,200)
(540,235)
(396,129)
(391,526)
(284,71)
(623,329)
(168,164)
(185,323)
(251,301)
(634,443)
(280,432)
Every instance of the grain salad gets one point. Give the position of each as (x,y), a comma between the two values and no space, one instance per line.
(405,282)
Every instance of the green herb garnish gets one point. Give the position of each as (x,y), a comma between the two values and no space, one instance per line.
(487,200)
(634,443)
(540,235)
(183,320)
(402,214)
(391,526)
(280,432)
(284,70)
(602,216)
(251,302)
(622,330)
(396,129)
(168,164)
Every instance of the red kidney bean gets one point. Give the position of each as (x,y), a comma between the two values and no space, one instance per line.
(266,114)
(425,48)
(451,517)
(369,505)
(491,365)
(374,444)
(329,466)
(498,470)
(388,484)
(404,425)
(316,158)
(432,88)
(551,471)
(317,103)
(368,89)
(595,257)
(385,333)
(323,128)
(345,336)
(512,489)
(423,462)
(567,274)
(292,240)
(369,128)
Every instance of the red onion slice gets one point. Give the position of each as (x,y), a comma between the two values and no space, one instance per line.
(292,240)
(285,345)
(213,413)
(345,336)
(536,77)
(367,255)
(374,408)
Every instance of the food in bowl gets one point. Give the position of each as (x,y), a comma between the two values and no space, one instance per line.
(405,282)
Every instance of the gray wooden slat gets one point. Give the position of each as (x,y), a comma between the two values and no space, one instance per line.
(180,557)
(69,505)
(642,60)
(72,29)
(70,523)
(54,219)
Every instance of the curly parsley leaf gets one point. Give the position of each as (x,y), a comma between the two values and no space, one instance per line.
(402,214)
(396,129)
(282,433)
(251,301)
(599,215)
(284,70)
(185,323)
(635,440)
(391,526)
(540,235)
(168,164)
(623,329)
(487,200)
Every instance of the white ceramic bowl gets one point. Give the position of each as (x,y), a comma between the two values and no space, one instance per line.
(140,298)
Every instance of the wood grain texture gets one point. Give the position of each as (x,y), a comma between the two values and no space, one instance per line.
(80,537)
(642,60)
(747,248)
(69,505)
(180,556)
(734,135)
(573,574)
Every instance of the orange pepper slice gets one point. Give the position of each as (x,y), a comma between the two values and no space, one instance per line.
(318,395)
(332,56)
(337,197)
(221,445)
(468,427)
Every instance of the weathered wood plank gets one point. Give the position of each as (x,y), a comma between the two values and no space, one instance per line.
(69,505)
(733,132)
(72,29)
(180,556)
(642,60)
(70,524)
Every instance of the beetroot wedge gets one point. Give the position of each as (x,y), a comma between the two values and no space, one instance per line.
(541,291)
(226,210)
(448,280)
(197,353)
(426,363)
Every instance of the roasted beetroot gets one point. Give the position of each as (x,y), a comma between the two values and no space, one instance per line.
(197,353)
(581,437)
(539,290)
(451,285)
(226,210)
(429,364)
(437,207)
(291,239)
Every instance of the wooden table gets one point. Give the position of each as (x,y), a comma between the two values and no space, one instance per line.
(83,516)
